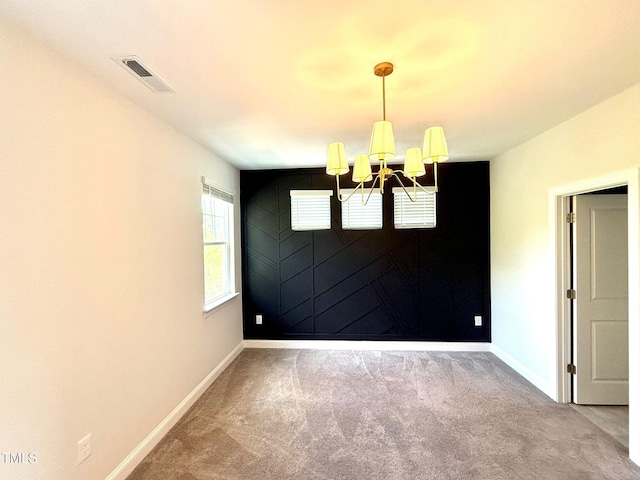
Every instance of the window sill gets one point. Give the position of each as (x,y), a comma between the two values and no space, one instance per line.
(218,304)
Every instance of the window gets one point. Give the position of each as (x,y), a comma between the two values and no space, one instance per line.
(356,216)
(311,209)
(418,214)
(217,236)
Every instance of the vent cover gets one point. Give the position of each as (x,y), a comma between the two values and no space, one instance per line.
(138,69)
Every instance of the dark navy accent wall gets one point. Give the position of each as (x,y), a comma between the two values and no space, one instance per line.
(422,284)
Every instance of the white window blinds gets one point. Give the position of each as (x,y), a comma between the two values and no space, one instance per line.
(356,216)
(418,214)
(216,193)
(311,209)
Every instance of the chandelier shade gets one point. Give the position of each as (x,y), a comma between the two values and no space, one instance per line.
(434,148)
(337,159)
(382,145)
(362,169)
(413,164)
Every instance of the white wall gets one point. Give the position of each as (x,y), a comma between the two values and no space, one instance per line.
(597,142)
(598,147)
(101,324)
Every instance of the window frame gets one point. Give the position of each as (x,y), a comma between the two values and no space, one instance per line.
(226,201)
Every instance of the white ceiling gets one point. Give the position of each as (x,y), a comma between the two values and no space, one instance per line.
(268,84)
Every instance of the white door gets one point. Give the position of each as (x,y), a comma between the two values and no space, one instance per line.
(600,313)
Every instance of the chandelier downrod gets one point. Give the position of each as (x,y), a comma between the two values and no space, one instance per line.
(382,70)
(384,102)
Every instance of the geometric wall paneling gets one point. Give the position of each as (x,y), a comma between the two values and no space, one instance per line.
(294,291)
(298,319)
(385,284)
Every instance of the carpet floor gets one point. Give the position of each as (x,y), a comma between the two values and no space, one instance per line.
(363,415)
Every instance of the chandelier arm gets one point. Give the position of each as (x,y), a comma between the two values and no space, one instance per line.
(435,175)
(371,189)
(430,189)
(338,194)
(413,199)
(425,188)
(351,194)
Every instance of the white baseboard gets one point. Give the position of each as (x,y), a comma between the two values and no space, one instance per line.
(371,345)
(539,382)
(134,458)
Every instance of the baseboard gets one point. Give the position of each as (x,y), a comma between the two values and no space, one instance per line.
(371,345)
(539,382)
(134,458)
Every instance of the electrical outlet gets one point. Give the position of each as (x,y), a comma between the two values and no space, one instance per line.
(84,448)
(259,319)
(477,320)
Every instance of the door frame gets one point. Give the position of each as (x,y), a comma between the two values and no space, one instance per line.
(559,241)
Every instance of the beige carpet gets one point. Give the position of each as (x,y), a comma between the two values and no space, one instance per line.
(347,415)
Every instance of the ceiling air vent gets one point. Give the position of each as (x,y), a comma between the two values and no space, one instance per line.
(135,67)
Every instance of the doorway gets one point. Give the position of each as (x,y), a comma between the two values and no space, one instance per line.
(598,255)
(559,242)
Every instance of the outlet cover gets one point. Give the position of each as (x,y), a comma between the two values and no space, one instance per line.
(259,319)
(84,448)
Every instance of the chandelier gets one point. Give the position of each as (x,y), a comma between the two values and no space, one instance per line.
(382,149)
